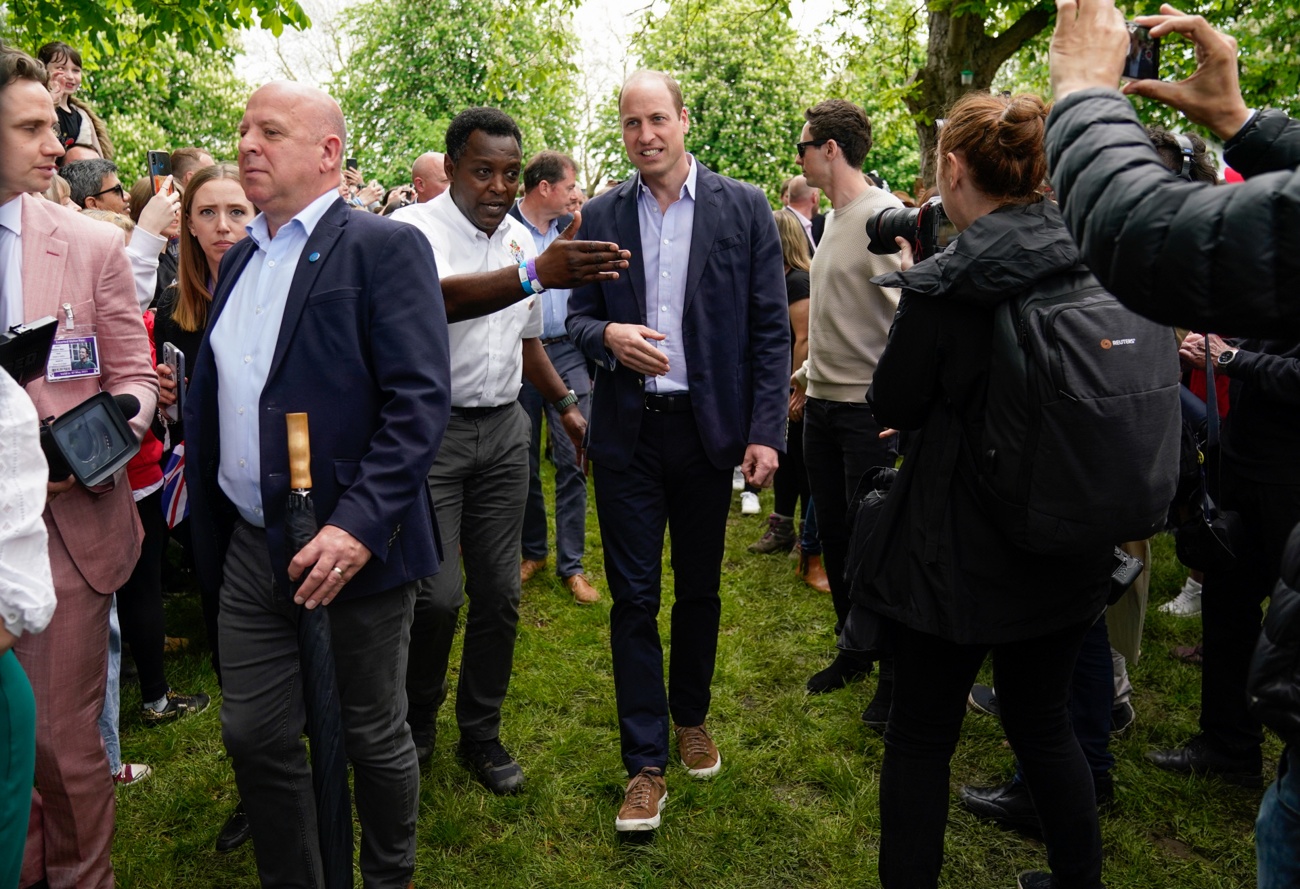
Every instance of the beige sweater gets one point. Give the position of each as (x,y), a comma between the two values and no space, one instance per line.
(848,316)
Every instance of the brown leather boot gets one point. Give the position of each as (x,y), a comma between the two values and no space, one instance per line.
(813,574)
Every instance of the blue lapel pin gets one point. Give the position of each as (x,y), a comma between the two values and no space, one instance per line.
(313,257)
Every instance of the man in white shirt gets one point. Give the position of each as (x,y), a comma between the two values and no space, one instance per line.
(491,276)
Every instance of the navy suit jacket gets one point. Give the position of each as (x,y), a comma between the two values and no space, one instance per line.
(736,323)
(363,352)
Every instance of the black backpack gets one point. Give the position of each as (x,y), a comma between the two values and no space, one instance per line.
(1082,427)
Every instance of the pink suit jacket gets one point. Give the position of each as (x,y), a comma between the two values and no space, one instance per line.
(82,262)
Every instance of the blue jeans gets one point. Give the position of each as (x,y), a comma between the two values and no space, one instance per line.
(570,481)
(110,716)
(1277,830)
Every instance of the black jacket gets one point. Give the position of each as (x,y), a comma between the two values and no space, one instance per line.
(940,566)
(1194,255)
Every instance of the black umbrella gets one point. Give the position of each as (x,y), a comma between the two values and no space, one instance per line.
(329,763)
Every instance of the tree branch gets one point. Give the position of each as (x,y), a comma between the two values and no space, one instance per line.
(1006,44)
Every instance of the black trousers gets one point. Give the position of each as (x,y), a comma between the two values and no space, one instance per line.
(139,601)
(840,443)
(790,485)
(932,677)
(670,483)
(1231,608)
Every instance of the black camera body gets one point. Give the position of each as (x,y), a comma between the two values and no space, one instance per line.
(92,441)
(927,228)
(25,349)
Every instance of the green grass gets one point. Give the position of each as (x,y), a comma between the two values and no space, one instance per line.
(795,804)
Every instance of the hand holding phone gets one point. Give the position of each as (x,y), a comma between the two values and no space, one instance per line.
(162,211)
(160,170)
(174,358)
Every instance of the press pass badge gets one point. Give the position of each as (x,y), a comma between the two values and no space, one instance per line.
(71,356)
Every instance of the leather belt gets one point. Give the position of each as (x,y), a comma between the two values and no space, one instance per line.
(478,413)
(555,339)
(668,404)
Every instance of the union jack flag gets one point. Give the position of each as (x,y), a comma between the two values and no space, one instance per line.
(176,500)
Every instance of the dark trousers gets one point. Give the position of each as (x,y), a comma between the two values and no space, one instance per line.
(263,718)
(669,483)
(931,680)
(140,605)
(478,485)
(1231,608)
(570,480)
(790,485)
(1092,696)
(840,443)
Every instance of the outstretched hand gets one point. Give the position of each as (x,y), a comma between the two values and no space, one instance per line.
(1211,95)
(568,263)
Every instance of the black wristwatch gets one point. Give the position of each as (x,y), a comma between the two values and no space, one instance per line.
(570,398)
(1225,357)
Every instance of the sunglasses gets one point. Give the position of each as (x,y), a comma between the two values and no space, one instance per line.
(801,147)
(117,188)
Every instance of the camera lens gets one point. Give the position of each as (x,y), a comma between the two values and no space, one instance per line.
(894,222)
(88,442)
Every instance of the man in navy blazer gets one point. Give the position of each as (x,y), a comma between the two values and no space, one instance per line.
(690,347)
(337,314)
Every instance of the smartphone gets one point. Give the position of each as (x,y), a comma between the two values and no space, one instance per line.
(1143,62)
(175,359)
(160,167)
(352,163)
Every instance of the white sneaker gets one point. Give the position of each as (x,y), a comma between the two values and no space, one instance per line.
(1187,603)
(749,504)
(737,479)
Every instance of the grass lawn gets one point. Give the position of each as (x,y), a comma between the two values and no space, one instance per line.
(795,804)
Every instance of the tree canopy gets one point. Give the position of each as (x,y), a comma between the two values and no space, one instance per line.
(417,63)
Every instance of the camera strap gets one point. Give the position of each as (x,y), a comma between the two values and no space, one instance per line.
(1211,433)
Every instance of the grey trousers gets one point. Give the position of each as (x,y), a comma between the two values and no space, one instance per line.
(478,483)
(263,717)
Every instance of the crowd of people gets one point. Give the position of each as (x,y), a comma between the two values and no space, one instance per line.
(338,392)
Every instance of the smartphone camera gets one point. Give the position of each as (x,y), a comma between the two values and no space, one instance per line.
(1143,61)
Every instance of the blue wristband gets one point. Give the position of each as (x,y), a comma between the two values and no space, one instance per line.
(523,279)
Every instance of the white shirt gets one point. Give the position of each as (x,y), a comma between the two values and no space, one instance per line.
(11,263)
(243,343)
(143,252)
(487,357)
(26,587)
(666,256)
(806,223)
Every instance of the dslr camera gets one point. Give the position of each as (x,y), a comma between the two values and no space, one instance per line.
(927,228)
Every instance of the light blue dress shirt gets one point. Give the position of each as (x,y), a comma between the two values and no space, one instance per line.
(243,343)
(666,253)
(555,301)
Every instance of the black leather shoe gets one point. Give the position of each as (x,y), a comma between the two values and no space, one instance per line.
(843,670)
(1010,805)
(425,737)
(1034,879)
(492,764)
(1007,804)
(876,716)
(1199,757)
(236,831)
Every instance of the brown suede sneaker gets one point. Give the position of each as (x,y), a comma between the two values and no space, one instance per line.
(643,801)
(698,752)
(583,592)
(529,567)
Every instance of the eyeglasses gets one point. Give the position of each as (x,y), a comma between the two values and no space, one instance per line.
(117,188)
(801,147)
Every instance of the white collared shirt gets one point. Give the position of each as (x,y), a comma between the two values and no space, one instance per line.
(26,587)
(243,344)
(806,223)
(11,263)
(487,358)
(666,256)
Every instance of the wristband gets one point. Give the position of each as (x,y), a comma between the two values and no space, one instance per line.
(570,398)
(523,278)
(533,281)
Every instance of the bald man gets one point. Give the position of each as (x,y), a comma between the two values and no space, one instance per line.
(338,315)
(429,176)
(803,203)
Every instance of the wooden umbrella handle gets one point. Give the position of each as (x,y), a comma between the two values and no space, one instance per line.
(299,451)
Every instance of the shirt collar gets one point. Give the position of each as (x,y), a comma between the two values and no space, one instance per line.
(802,218)
(528,222)
(11,215)
(306,218)
(688,187)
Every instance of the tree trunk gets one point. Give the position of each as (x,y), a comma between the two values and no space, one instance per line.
(959,43)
